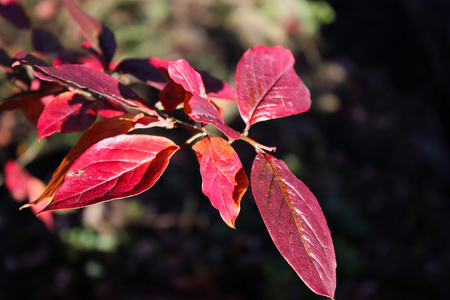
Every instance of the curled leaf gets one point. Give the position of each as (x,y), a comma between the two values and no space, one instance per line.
(200,107)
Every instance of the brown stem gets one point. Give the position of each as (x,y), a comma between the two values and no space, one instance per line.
(259,148)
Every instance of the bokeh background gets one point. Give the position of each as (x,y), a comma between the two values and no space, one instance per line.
(374,149)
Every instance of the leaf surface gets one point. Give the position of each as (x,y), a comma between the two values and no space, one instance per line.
(96,81)
(67,112)
(102,129)
(45,42)
(116,167)
(145,69)
(201,108)
(268,87)
(224,178)
(295,223)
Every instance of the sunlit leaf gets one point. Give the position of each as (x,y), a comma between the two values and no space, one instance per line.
(116,167)
(200,107)
(99,131)
(268,87)
(67,112)
(224,179)
(295,223)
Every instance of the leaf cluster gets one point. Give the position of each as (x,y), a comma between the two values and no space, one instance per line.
(108,162)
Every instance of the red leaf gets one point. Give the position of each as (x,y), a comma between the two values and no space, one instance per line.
(267,86)
(116,167)
(67,112)
(22,185)
(13,12)
(16,180)
(98,35)
(109,109)
(295,223)
(83,77)
(172,95)
(201,108)
(99,131)
(224,179)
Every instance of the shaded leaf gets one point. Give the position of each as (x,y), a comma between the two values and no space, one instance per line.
(224,178)
(45,42)
(99,36)
(14,13)
(109,109)
(172,95)
(116,167)
(5,61)
(99,131)
(200,107)
(216,88)
(268,87)
(67,112)
(31,104)
(295,223)
(145,69)
(77,57)
(82,77)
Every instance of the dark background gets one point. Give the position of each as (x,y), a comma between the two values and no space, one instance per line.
(373,149)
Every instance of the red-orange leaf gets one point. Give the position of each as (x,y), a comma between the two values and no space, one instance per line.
(295,223)
(99,131)
(224,179)
(116,167)
(267,86)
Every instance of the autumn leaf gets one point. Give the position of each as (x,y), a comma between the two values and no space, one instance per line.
(268,87)
(200,107)
(116,167)
(67,112)
(224,179)
(98,35)
(172,95)
(145,69)
(14,12)
(102,129)
(295,223)
(98,82)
